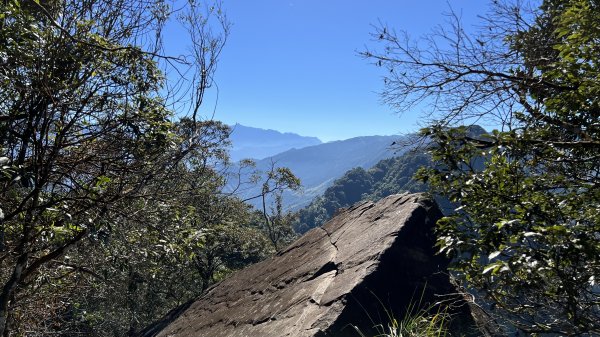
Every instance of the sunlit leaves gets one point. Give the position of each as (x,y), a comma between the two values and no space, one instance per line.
(526,228)
(93,163)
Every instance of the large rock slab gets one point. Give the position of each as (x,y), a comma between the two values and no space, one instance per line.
(370,260)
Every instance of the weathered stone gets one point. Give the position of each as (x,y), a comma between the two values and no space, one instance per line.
(371,259)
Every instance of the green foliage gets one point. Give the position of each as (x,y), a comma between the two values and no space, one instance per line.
(419,321)
(417,325)
(277,223)
(112,208)
(82,127)
(180,250)
(525,234)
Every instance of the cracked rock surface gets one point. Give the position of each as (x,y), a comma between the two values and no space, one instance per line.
(370,258)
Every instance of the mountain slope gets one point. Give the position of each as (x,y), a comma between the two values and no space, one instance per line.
(255,143)
(319,165)
(389,176)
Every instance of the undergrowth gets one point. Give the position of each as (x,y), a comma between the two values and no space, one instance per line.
(430,321)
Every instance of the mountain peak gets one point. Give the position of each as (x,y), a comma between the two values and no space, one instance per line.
(257,143)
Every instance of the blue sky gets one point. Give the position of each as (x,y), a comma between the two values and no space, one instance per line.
(293,65)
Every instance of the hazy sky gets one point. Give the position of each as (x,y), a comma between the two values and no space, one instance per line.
(293,65)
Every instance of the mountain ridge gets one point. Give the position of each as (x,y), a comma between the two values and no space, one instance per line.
(317,166)
(256,143)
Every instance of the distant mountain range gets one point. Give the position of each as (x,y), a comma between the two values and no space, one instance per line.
(254,143)
(318,166)
(338,174)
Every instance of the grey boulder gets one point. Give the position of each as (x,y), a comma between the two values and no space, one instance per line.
(372,261)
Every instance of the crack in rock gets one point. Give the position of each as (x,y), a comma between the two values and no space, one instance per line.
(330,239)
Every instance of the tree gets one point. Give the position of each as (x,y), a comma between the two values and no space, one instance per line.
(181,248)
(85,126)
(277,223)
(525,233)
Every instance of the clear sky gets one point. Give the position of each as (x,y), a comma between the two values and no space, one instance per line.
(293,65)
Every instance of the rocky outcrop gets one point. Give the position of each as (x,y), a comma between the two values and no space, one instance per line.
(370,260)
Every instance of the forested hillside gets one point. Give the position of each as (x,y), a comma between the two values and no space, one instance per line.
(389,176)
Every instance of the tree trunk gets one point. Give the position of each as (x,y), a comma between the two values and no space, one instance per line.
(8,291)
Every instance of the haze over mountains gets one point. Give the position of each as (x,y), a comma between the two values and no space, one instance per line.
(317,166)
(248,142)
(359,164)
